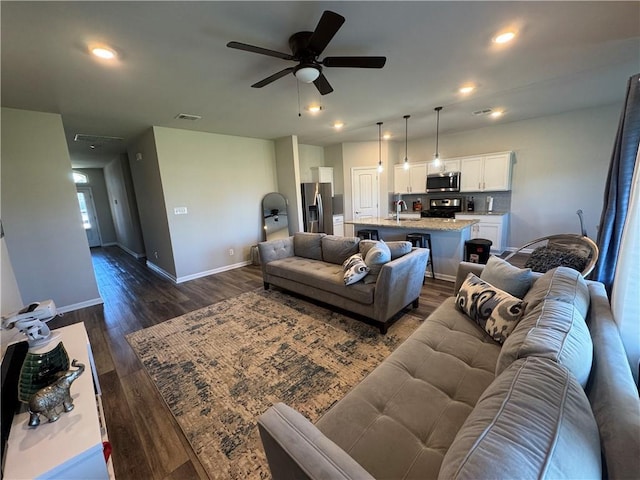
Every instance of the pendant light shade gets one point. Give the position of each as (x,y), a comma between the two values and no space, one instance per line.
(436,156)
(380,168)
(406,135)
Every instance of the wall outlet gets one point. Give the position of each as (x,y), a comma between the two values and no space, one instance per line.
(231,252)
(155,254)
(180,211)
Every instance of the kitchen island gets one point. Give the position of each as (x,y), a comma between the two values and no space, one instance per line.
(447,238)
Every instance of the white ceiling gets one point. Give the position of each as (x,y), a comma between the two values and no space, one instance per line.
(173,59)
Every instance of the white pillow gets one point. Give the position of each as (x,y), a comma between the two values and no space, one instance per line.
(375,258)
(354,269)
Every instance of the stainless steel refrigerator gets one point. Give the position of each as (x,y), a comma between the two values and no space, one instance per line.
(317,209)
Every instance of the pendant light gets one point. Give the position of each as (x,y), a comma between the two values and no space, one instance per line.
(436,156)
(380,168)
(406,133)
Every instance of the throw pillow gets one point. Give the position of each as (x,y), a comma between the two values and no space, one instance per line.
(501,274)
(494,310)
(399,248)
(376,257)
(354,269)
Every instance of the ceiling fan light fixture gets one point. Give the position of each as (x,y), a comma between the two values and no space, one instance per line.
(307,74)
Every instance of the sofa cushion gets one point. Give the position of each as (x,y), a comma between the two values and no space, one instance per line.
(365,245)
(533,421)
(399,248)
(554,330)
(400,420)
(501,274)
(336,249)
(493,309)
(376,257)
(561,283)
(308,245)
(354,269)
(318,275)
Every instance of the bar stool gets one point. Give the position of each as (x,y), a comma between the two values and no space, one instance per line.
(423,240)
(368,234)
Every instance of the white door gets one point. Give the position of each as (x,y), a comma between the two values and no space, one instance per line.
(364,193)
(89,218)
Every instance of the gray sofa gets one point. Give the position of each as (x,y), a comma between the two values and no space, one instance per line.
(556,400)
(311,264)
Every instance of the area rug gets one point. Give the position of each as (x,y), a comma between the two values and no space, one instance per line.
(220,367)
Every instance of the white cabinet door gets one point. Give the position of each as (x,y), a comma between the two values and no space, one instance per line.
(471,174)
(323,175)
(451,165)
(491,227)
(497,172)
(418,178)
(489,173)
(490,231)
(401,179)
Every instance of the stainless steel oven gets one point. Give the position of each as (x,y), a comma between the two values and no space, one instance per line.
(443,182)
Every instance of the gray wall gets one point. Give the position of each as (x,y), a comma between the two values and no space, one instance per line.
(145,173)
(288,175)
(124,209)
(101,201)
(44,237)
(220,179)
(309,156)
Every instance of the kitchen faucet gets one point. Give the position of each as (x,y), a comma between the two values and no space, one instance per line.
(400,205)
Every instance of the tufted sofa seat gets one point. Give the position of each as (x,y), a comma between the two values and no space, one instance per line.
(555,400)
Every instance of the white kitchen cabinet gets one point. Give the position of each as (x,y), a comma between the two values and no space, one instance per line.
(322,175)
(338,225)
(72,446)
(411,180)
(491,227)
(486,173)
(450,165)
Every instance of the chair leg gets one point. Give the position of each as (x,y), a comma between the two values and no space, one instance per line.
(266,286)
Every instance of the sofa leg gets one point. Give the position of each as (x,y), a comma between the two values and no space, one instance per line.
(383,328)
(266,286)
(416,303)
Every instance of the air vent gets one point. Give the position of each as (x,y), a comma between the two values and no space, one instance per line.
(187,116)
(96,139)
(483,112)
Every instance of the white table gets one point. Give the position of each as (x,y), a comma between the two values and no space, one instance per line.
(70,448)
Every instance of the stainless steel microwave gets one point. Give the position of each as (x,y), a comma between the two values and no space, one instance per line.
(443,182)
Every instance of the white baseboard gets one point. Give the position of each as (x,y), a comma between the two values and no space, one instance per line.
(78,306)
(212,272)
(161,271)
(109,244)
(130,252)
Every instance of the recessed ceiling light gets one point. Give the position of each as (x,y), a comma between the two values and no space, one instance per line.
(338,125)
(103,52)
(504,37)
(466,89)
(314,108)
(496,113)
(386,136)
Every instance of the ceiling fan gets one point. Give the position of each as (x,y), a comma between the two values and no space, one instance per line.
(306,47)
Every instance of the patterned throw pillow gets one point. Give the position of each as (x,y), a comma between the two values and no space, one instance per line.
(354,269)
(493,309)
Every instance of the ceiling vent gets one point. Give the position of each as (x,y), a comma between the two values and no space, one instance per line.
(96,139)
(187,116)
(483,112)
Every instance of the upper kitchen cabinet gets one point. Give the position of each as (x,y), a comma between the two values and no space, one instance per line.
(411,180)
(322,175)
(452,165)
(486,173)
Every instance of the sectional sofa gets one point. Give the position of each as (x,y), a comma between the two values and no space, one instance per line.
(555,399)
(311,264)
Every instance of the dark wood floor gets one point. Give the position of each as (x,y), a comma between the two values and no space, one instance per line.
(147,442)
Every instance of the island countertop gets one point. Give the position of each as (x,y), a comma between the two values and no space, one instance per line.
(442,224)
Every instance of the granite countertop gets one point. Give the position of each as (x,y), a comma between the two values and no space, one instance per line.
(494,212)
(442,224)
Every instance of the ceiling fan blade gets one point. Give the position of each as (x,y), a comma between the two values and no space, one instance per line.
(273,77)
(327,27)
(260,50)
(355,62)
(323,85)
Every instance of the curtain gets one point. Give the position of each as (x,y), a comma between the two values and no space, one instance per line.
(618,187)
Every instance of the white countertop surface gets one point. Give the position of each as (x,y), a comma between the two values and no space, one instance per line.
(442,224)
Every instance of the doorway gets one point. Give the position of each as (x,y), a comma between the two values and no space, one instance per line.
(89,217)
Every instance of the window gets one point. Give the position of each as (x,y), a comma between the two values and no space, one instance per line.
(80,178)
